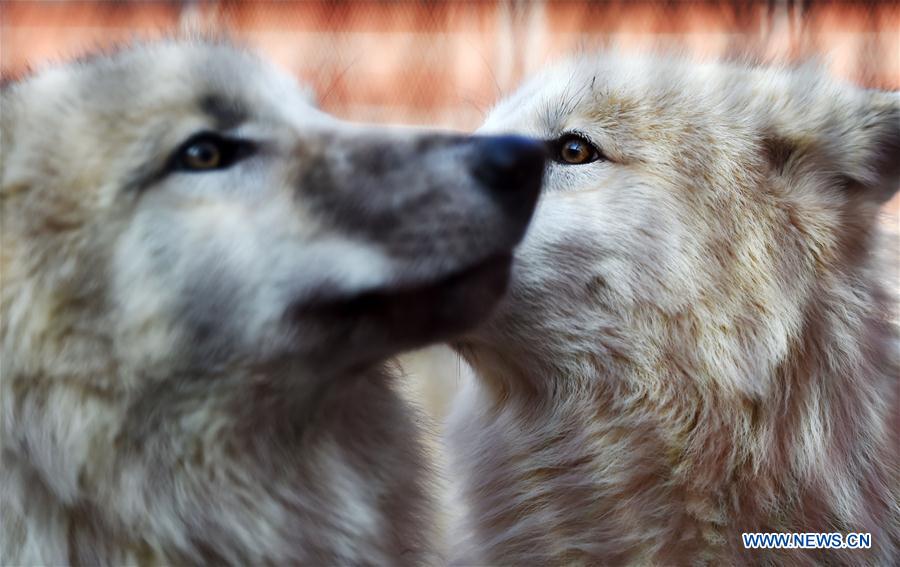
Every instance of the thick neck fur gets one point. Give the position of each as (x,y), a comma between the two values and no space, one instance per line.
(190,478)
(592,455)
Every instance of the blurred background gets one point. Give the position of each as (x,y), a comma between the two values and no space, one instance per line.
(445,63)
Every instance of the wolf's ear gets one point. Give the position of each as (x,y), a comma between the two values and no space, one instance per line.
(854,138)
(871,147)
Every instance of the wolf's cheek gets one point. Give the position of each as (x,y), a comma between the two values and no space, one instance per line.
(185,283)
(175,279)
(602,253)
(143,307)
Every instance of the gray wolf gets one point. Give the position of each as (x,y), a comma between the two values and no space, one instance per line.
(203,276)
(697,340)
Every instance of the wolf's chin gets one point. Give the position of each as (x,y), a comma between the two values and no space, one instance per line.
(427,312)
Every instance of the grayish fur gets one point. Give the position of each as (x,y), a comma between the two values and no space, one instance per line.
(186,377)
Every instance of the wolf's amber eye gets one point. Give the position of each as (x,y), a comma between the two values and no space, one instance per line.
(202,155)
(573,149)
(208,151)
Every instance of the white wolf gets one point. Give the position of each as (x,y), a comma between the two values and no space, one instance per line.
(202,275)
(697,339)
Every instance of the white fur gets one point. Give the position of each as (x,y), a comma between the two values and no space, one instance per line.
(698,338)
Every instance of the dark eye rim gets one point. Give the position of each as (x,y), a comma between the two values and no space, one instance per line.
(557,145)
(231,150)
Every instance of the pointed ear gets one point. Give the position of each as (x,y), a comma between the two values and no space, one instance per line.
(849,135)
(872,147)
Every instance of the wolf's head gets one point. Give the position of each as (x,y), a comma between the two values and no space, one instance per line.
(177,212)
(189,203)
(696,341)
(705,204)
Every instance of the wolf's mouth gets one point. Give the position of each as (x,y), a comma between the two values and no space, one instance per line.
(492,273)
(428,311)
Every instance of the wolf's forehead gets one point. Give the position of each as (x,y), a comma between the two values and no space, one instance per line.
(622,92)
(573,89)
(224,84)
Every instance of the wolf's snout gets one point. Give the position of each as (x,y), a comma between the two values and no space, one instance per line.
(511,169)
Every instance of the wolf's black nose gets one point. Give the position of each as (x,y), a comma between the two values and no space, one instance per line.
(511,168)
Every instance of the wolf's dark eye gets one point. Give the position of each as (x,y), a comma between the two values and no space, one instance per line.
(572,149)
(208,151)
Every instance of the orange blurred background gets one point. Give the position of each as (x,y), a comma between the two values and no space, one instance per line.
(445,63)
